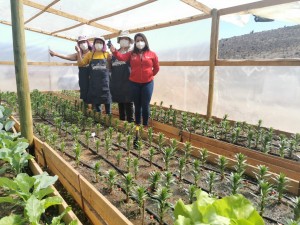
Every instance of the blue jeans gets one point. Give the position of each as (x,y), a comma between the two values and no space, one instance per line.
(141,94)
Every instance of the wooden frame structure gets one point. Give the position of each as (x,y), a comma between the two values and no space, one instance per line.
(205,13)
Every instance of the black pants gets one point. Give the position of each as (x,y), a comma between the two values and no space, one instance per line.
(126,111)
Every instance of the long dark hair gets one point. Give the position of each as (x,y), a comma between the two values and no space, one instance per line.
(146,48)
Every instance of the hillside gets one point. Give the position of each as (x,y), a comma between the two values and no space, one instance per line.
(278,43)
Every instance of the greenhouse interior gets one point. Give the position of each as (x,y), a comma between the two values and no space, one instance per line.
(144,112)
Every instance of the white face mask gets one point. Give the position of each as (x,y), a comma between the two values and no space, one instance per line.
(98,46)
(124,43)
(140,45)
(84,46)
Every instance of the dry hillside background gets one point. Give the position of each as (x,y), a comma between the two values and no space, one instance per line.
(278,43)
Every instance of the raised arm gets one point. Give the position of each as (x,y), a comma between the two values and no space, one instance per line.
(71,57)
(82,61)
(121,57)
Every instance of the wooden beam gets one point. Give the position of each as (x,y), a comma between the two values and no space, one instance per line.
(123,10)
(198,5)
(254,5)
(162,25)
(42,11)
(40,31)
(258,62)
(40,63)
(69,16)
(214,37)
(184,63)
(23,90)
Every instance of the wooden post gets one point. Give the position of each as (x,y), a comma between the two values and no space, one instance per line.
(21,70)
(214,36)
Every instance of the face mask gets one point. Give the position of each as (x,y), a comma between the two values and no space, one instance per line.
(98,46)
(124,43)
(84,46)
(140,45)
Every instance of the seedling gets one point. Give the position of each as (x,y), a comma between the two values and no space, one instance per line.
(140,146)
(262,174)
(150,135)
(265,190)
(191,192)
(162,196)
(222,163)
(203,156)
(155,178)
(187,150)
(129,144)
(196,176)
(108,146)
(119,157)
(211,180)
(97,143)
(89,123)
(128,184)
(197,165)
(128,164)
(174,143)
(168,154)
(111,179)
(181,166)
(281,185)
(98,128)
(169,180)
(77,151)
(140,194)
(87,135)
(120,139)
(241,163)
(151,154)
(296,203)
(250,137)
(282,145)
(97,171)
(136,167)
(236,182)
(62,146)
(161,140)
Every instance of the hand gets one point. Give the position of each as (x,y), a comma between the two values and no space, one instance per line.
(77,49)
(52,53)
(112,48)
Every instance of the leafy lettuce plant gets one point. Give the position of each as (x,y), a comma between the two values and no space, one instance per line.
(5,122)
(230,210)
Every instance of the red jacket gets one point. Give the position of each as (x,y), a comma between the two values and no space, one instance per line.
(143,67)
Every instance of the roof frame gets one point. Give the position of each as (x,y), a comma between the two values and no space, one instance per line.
(198,5)
(108,15)
(42,11)
(68,16)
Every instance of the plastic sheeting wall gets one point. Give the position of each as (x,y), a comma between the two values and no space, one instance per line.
(252,93)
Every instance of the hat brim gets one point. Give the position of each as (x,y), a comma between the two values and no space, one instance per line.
(130,39)
(99,38)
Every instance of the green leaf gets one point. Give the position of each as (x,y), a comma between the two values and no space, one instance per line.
(56,220)
(73,222)
(12,220)
(7,199)
(34,209)
(44,180)
(44,192)
(181,220)
(9,124)
(1,114)
(8,183)
(50,201)
(1,125)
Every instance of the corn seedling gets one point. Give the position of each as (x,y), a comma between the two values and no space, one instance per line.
(77,151)
(169,180)
(97,144)
(265,190)
(236,182)
(108,146)
(211,178)
(161,140)
(187,150)
(129,144)
(97,171)
(62,146)
(168,154)
(262,174)
(203,156)
(281,186)
(154,178)
(140,146)
(135,167)
(128,184)
(191,192)
(140,194)
(87,135)
(128,164)
(241,163)
(150,135)
(118,157)
(222,163)
(162,196)
(181,167)
(111,179)
(151,154)
(98,128)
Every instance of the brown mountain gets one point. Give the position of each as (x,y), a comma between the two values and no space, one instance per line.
(277,43)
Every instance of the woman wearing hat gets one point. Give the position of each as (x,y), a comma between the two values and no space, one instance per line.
(144,66)
(120,84)
(98,61)
(83,75)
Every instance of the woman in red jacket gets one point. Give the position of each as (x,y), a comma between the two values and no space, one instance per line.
(144,66)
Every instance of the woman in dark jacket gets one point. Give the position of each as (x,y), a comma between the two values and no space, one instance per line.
(120,84)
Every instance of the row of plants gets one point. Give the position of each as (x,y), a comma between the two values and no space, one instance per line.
(67,112)
(29,194)
(254,137)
